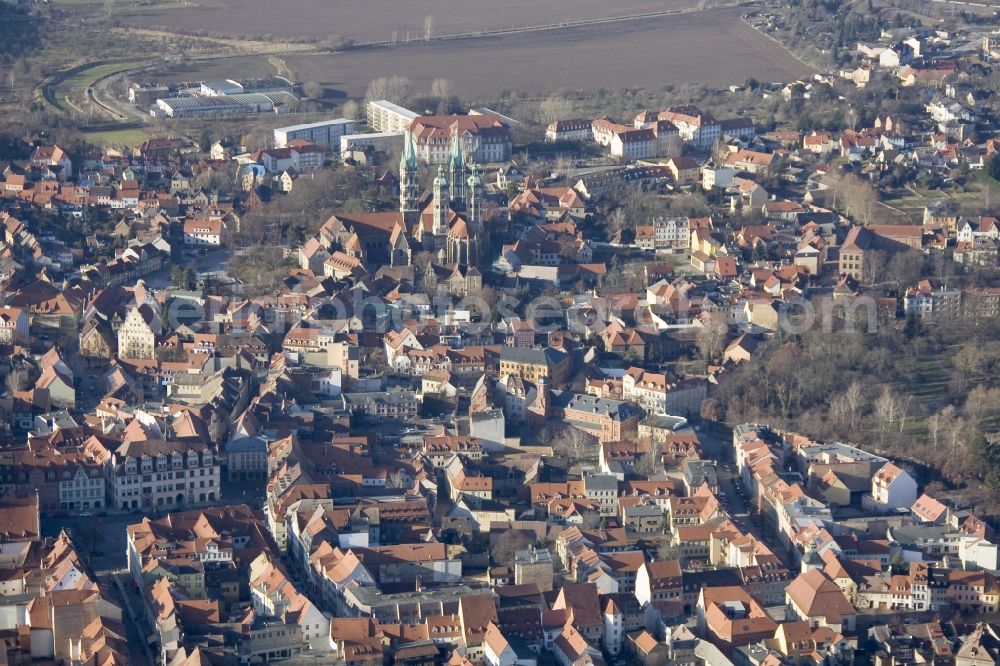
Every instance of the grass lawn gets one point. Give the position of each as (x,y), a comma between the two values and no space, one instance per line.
(86,77)
(130,137)
(980,187)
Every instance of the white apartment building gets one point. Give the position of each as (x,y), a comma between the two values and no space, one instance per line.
(384,116)
(658,395)
(323,133)
(671,233)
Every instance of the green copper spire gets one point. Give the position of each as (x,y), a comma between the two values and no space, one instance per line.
(441,179)
(474,179)
(409,158)
(457,158)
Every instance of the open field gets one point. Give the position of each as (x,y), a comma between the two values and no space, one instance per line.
(207,70)
(129,137)
(981,191)
(376,20)
(713,48)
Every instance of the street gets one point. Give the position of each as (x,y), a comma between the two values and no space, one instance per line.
(716,443)
(100,539)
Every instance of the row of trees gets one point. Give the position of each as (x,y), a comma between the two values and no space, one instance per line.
(930,394)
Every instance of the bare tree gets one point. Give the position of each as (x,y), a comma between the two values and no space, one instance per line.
(934,424)
(553,108)
(350,109)
(948,423)
(651,462)
(428,27)
(980,404)
(441,88)
(957,431)
(874,266)
(258,138)
(395,89)
(712,336)
(854,195)
(398,479)
(507,545)
(312,90)
(887,411)
(591,520)
(852,399)
(838,410)
(667,550)
(20,378)
(616,220)
(572,443)
(218,427)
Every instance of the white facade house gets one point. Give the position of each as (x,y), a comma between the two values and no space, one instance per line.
(634,144)
(577,129)
(13,326)
(893,488)
(204,232)
(712,177)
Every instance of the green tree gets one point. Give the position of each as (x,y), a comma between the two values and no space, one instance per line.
(190,278)
(995,166)
(177,277)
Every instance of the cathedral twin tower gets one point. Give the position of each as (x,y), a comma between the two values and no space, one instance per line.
(451,226)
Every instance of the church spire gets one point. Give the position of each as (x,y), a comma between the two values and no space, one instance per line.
(456,165)
(442,203)
(474,201)
(409,189)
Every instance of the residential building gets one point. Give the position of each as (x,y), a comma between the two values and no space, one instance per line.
(13,326)
(385,116)
(325,132)
(926,301)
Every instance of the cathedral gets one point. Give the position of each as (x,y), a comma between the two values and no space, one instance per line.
(451,225)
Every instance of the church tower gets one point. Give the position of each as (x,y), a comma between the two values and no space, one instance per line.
(474,215)
(409,189)
(474,202)
(442,204)
(456,166)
